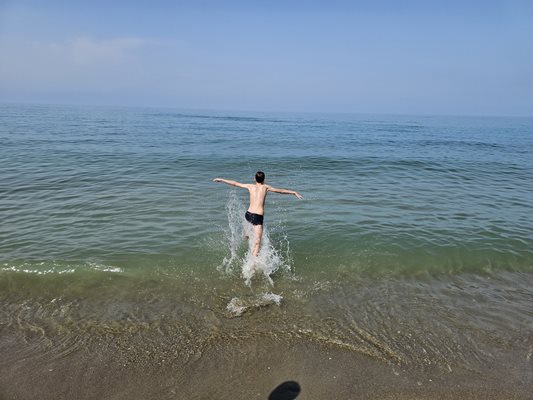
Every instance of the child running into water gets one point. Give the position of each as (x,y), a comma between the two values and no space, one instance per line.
(256,210)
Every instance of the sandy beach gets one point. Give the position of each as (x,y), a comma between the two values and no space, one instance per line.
(122,367)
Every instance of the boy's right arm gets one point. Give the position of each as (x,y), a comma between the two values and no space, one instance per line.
(230,182)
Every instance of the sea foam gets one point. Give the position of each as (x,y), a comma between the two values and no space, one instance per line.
(238,306)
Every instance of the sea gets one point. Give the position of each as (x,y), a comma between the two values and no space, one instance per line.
(126,271)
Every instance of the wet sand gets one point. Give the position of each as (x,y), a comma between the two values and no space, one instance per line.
(138,367)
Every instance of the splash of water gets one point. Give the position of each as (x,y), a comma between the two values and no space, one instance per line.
(238,306)
(239,231)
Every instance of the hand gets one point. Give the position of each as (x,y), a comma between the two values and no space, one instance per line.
(217,180)
(298,195)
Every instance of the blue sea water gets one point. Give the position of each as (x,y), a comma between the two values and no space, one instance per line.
(413,244)
(381,192)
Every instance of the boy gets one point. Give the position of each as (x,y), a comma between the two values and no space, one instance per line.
(256,210)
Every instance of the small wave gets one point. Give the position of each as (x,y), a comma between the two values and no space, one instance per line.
(105,268)
(47,268)
(37,271)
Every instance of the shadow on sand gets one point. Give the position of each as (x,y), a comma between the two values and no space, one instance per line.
(288,390)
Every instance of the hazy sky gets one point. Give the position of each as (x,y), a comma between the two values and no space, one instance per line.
(428,57)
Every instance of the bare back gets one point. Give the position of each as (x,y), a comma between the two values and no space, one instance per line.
(258,194)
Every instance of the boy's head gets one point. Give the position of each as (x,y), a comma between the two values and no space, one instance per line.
(259,176)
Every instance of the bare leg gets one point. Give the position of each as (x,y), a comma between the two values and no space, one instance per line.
(247,231)
(258,230)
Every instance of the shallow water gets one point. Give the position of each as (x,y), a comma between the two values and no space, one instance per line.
(413,246)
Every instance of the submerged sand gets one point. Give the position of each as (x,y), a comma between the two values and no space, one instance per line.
(459,337)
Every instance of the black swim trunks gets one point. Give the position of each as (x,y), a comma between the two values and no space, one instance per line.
(254,219)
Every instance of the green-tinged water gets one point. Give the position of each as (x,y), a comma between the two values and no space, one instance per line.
(412,248)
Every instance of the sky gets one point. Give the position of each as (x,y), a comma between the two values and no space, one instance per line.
(391,57)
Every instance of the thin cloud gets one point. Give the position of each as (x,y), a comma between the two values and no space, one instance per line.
(41,62)
(87,51)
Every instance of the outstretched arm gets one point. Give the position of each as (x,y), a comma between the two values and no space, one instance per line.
(230,182)
(285,191)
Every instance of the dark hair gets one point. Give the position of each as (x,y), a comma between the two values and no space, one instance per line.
(259,176)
